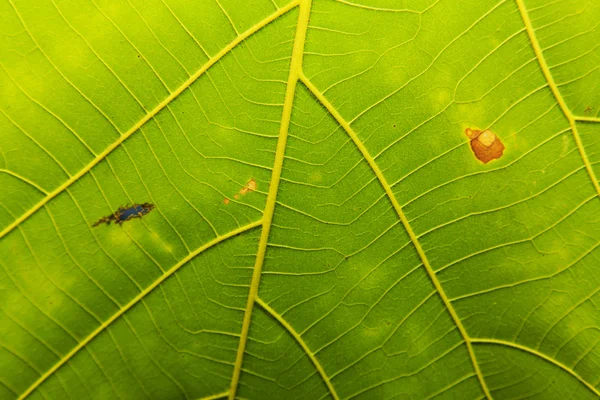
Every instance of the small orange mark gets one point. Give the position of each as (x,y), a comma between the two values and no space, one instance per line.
(485,145)
(250,187)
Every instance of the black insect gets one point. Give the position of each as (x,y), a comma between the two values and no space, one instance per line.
(126,213)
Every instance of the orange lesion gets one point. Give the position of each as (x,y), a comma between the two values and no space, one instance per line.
(249,187)
(485,144)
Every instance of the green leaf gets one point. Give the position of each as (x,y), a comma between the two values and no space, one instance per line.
(352,199)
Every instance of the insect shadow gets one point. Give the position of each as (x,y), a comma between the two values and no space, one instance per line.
(124,214)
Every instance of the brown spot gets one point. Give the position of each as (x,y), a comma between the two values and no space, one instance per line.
(225,201)
(485,145)
(588,110)
(250,187)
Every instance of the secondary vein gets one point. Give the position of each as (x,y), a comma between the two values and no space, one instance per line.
(302,344)
(134,301)
(213,60)
(539,54)
(413,237)
(540,355)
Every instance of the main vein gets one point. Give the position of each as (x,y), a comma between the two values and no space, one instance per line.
(134,301)
(148,116)
(295,70)
(563,105)
(388,190)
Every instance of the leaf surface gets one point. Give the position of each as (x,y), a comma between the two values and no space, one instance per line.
(352,199)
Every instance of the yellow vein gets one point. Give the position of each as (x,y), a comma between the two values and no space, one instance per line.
(388,190)
(22,178)
(215,396)
(228,17)
(563,105)
(301,342)
(540,355)
(587,119)
(149,116)
(134,301)
(393,10)
(295,70)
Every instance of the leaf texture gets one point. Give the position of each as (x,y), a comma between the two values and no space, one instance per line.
(324,227)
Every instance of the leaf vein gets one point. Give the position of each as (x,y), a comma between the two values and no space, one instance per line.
(538,354)
(361,147)
(302,343)
(148,116)
(556,92)
(133,302)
